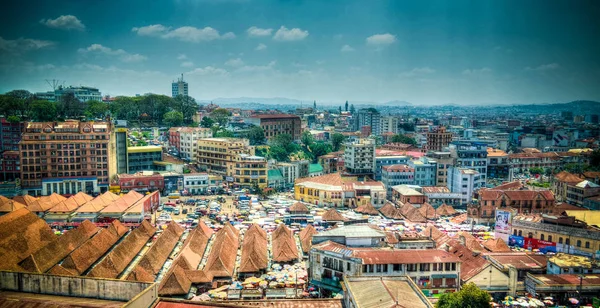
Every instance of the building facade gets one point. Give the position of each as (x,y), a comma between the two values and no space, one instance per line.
(67,157)
(143,158)
(443,161)
(10,134)
(382,161)
(389,124)
(425,171)
(359,157)
(179,87)
(367,117)
(397,175)
(10,166)
(188,140)
(196,183)
(466,182)
(438,138)
(277,124)
(471,155)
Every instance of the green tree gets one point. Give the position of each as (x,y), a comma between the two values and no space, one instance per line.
(12,105)
(403,139)
(96,109)
(13,119)
(307,138)
(221,116)
(223,134)
(186,105)
(281,146)
(256,135)
(70,107)
(43,111)
(207,122)
(320,148)
(337,140)
(536,170)
(469,296)
(173,118)
(595,160)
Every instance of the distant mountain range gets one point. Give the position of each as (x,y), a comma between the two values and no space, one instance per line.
(580,106)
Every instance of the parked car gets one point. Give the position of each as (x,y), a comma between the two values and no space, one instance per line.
(176,212)
(184,211)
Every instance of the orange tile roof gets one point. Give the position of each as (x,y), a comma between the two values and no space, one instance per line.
(368,209)
(333,179)
(427,211)
(332,215)
(98,203)
(71,204)
(491,152)
(306,236)
(26,199)
(8,205)
(568,177)
(298,207)
(221,261)
(284,245)
(254,250)
(45,203)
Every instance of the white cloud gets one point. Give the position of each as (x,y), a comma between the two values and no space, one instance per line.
(418,71)
(187,64)
(23,44)
(260,47)
(208,70)
(152,30)
(64,22)
(285,34)
(544,67)
(258,68)
(258,32)
(347,48)
(381,39)
(477,71)
(186,33)
(237,62)
(122,54)
(182,57)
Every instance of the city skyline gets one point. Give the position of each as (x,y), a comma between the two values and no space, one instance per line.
(435,53)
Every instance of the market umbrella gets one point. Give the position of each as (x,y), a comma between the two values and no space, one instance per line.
(573,301)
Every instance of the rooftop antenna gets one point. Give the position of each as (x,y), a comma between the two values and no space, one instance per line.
(54,83)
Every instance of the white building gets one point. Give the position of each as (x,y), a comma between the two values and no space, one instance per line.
(359,157)
(83,94)
(188,140)
(389,124)
(179,87)
(195,183)
(465,181)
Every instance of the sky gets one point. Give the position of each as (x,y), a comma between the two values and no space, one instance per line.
(424,52)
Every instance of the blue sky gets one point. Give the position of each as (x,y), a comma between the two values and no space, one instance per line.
(424,52)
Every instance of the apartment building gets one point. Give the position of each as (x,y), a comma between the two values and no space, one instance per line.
(276,124)
(515,198)
(465,181)
(397,175)
(425,171)
(577,193)
(367,117)
(444,162)
(436,271)
(142,158)
(10,166)
(497,164)
(67,157)
(387,160)
(196,183)
(471,155)
(188,140)
(81,93)
(359,157)
(233,159)
(438,138)
(389,124)
(337,191)
(10,134)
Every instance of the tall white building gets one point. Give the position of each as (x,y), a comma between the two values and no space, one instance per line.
(367,117)
(389,124)
(359,157)
(465,181)
(188,140)
(179,87)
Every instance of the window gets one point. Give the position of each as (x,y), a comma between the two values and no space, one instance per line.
(549,238)
(541,237)
(587,244)
(578,243)
(396,267)
(568,241)
(560,240)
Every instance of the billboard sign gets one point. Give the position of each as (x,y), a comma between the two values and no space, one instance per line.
(503,221)
(517,241)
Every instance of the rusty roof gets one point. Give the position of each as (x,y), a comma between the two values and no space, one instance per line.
(254,250)
(49,255)
(496,245)
(46,202)
(332,179)
(445,210)
(298,207)
(98,203)
(411,256)
(332,215)
(284,244)
(509,186)
(368,209)
(517,259)
(8,205)
(21,234)
(472,262)
(25,199)
(427,211)
(117,259)
(273,303)
(72,203)
(221,260)
(412,213)
(517,195)
(568,177)
(93,249)
(306,236)
(154,259)
(390,211)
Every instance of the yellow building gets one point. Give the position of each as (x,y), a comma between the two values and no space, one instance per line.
(570,237)
(233,158)
(334,190)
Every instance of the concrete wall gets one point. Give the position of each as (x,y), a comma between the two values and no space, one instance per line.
(108,289)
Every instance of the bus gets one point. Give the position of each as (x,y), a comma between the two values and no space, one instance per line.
(174,196)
